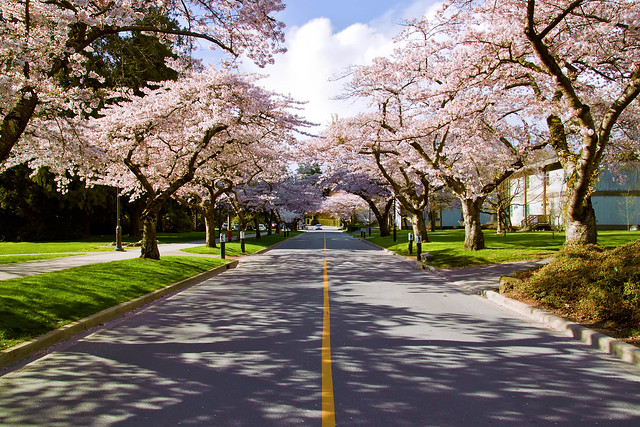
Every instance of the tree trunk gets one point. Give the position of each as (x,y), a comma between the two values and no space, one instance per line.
(269,222)
(383,219)
(149,249)
(473,237)
(210,226)
(419,226)
(580,224)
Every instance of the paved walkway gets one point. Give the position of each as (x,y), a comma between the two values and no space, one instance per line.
(30,268)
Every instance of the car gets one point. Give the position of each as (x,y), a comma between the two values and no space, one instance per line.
(261,227)
(318,226)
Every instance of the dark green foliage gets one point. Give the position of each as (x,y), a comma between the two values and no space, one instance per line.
(131,59)
(175,218)
(589,282)
(31,208)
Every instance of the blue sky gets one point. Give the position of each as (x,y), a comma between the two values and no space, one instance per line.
(324,38)
(342,13)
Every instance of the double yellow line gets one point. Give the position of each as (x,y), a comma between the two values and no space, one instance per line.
(328,409)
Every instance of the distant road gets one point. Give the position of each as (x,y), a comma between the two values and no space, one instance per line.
(246,348)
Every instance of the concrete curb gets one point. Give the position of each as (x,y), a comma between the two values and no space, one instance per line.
(21,351)
(626,352)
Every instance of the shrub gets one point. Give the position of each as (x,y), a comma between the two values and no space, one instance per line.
(588,282)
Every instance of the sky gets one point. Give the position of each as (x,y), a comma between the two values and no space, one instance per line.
(324,38)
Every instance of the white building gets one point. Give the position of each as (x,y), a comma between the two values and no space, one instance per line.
(537,197)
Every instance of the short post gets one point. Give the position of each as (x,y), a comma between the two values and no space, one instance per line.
(410,236)
(418,247)
(242,241)
(223,239)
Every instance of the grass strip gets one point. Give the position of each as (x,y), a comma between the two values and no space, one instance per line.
(35,305)
(447,246)
(252,245)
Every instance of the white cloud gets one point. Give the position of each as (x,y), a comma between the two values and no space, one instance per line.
(317,54)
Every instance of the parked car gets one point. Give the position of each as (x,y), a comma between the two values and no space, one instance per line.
(318,226)
(261,227)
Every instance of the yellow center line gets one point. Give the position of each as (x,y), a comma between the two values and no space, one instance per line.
(328,409)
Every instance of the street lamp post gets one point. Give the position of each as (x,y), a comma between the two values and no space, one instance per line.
(118,227)
(394,220)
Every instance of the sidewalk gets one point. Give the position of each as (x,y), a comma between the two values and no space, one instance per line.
(31,268)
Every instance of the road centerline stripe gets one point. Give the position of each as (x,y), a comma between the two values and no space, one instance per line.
(328,409)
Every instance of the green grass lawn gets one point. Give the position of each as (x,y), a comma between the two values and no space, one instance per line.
(446,246)
(252,245)
(34,305)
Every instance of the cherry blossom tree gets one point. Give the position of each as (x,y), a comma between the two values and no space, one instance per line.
(363,135)
(156,144)
(439,126)
(373,190)
(297,195)
(234,168)
(40,41)
(568,69)
(343,206)
(203,196)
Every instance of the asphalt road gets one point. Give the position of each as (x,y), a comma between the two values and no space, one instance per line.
(244,348)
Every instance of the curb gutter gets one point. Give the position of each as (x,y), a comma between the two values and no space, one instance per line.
(626,352)
(41,343)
